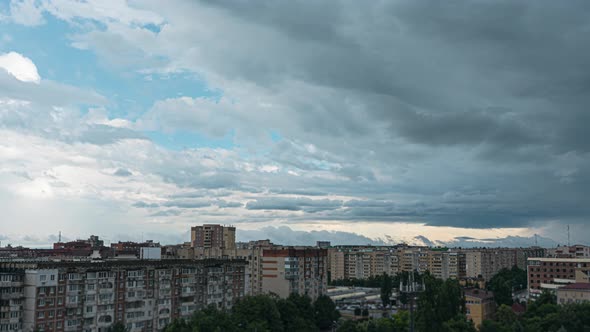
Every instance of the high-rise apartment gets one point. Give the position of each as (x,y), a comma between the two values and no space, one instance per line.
(213,236)
(85,296)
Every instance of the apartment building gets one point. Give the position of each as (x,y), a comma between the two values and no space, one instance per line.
(361,262)
(144,295)
(11,299)
(486,262)
(574,251)
(552,273)
(299,270)
(443,264)
(213,236)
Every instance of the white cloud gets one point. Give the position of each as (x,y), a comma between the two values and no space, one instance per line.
(26,12)
(101,10)
(20,67)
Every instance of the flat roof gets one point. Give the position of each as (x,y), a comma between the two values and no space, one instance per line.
(553,259)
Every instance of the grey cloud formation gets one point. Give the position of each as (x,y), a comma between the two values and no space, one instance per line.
(466,114)
(287,236)
(293,204)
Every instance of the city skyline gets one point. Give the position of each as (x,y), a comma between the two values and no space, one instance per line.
(350,122)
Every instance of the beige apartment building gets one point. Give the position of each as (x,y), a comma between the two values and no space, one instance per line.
(574,293)
(299,270)
(486,263)
(361,262)
(213,236)
(479,305)
(270,268)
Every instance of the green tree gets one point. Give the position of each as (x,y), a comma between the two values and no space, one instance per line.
(439,303)
(505,282)
(325,312)
(178,325)
(348,326)
(365,312)
(257,313)
(297,313)
(211,319)
(118,327)
(386,289)
(401,321)
(459,324)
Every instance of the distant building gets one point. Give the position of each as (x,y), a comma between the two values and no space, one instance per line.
(323,244)
(136,250)
(213,236)
(479,305)
(574,251)
(573,293)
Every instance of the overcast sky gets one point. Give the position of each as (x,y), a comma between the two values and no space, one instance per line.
(363,120)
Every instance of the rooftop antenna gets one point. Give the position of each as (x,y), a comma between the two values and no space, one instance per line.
(59,239)
(536,243)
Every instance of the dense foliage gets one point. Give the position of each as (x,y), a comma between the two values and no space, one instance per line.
(505,282)
(542,315)
(441,307)
(263,313)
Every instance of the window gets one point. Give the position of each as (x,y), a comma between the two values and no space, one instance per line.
(89,309)
(52,277)
(43,277)
(40,314)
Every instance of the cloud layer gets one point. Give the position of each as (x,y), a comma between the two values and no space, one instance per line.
(465,115)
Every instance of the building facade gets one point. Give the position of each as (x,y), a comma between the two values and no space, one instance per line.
(144,295)
(299,270)
(574,293)
(479,305)
(213,236)
(552,273)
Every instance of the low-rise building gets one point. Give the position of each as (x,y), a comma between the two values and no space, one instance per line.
(479,305)
(574,293)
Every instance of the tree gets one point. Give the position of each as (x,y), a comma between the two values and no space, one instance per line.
(257,313)
(365,312)
(178,325)
(325,312)
(386,289)
(459,324)
(505,282)
(297,313)
(401,321)
(211,319)
(348,326)
(118,327)
(439,303)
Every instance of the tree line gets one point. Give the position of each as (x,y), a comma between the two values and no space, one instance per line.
(262,313)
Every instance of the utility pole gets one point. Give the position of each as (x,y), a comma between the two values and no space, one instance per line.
(412,289)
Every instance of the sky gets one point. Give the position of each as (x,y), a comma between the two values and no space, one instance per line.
(379,122)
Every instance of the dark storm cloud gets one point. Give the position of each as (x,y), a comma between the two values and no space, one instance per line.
(293,204)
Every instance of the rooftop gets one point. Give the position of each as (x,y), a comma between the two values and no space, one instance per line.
(578,286)
(478,293)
